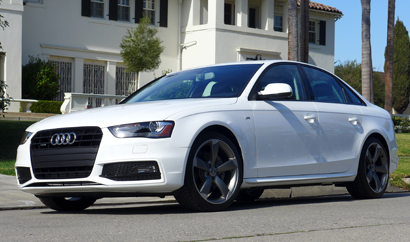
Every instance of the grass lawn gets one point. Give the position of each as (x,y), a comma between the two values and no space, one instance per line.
(11,133)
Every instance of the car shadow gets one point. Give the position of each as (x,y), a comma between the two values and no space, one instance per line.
(175,208)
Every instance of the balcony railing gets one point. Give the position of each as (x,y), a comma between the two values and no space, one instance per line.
(81,101)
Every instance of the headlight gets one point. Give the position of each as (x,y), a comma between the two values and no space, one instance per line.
(25,137)
(156,129)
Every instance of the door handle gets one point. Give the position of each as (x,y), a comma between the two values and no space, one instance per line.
(354,120)
(310,118)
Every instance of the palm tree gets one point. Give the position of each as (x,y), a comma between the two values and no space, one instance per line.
(367,66)
(292,30)
(304,31)
(388,100)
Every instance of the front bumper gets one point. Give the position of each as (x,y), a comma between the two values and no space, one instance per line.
(171,163)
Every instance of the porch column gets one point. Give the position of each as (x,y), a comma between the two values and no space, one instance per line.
(216,12)
(194,13)
(111,77)
(267,14)
(241,12)
(78,75)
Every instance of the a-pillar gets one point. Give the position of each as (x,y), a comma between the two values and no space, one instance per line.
(216,12)
(111,77)
(267,13)
(78,75)
(241,12)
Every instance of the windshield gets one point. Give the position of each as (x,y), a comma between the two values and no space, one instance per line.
(208,82)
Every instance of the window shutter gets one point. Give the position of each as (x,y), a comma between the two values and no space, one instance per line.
(113,10)
(163,13)
(139,9)
(322,37)
(86,8)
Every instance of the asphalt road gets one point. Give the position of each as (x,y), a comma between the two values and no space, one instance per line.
(335,218)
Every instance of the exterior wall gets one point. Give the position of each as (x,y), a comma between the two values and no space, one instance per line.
(213,41)
(55,29)
(196,35)
(323,55)
(11,39)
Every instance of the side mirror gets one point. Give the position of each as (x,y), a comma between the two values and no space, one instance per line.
(276,91)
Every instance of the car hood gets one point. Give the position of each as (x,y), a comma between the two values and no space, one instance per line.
(129,113)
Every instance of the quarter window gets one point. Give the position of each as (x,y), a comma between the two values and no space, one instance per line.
(97,8)
(325,87)
(288,74)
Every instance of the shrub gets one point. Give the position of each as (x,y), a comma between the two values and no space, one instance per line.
(39,80)
(46,107)
(401,124)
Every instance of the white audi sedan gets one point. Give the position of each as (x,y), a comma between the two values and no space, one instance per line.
(212,135)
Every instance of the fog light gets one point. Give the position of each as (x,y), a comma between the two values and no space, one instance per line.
(144,169)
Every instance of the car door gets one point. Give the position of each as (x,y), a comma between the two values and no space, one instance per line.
(287,141)
(340,120)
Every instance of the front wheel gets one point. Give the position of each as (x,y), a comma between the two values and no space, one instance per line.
(68,203)
(373,173)
(213,176)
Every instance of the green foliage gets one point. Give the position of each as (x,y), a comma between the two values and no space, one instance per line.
(4,97)
(351,72)
(40,80)
(141,50)
(401,68)
(401,124)
(11,134)
(3,24)
(46,107)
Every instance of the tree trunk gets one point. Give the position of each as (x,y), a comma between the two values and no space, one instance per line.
(388,99)
(304,31)
(292,30)
(367,69)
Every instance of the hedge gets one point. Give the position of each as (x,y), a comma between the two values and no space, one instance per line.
(46,107)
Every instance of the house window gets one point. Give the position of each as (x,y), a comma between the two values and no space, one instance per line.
(149,10)
(97,8)
(123,10)
(94,79)
(278,23)
(312,32)
(126,82)
(64,70)
(229,15)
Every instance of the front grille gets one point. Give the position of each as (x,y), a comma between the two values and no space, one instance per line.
(65,161)
(23,174)
(131,171)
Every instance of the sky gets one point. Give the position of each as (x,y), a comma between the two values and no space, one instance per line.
(348,39)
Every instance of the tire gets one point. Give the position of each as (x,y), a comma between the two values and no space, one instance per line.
(213,174)
(373,172)
(68,203)
(249,195)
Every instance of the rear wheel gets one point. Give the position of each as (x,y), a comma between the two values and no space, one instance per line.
(213,176)
(373,173)
(68,203)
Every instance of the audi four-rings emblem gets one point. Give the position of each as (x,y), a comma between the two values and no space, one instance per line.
(63,139)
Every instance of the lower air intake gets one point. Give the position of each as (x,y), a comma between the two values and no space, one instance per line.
(132,171)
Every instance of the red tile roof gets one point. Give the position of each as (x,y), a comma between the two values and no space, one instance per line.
(322,7)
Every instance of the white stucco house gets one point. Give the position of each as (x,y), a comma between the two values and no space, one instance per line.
(82,37)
